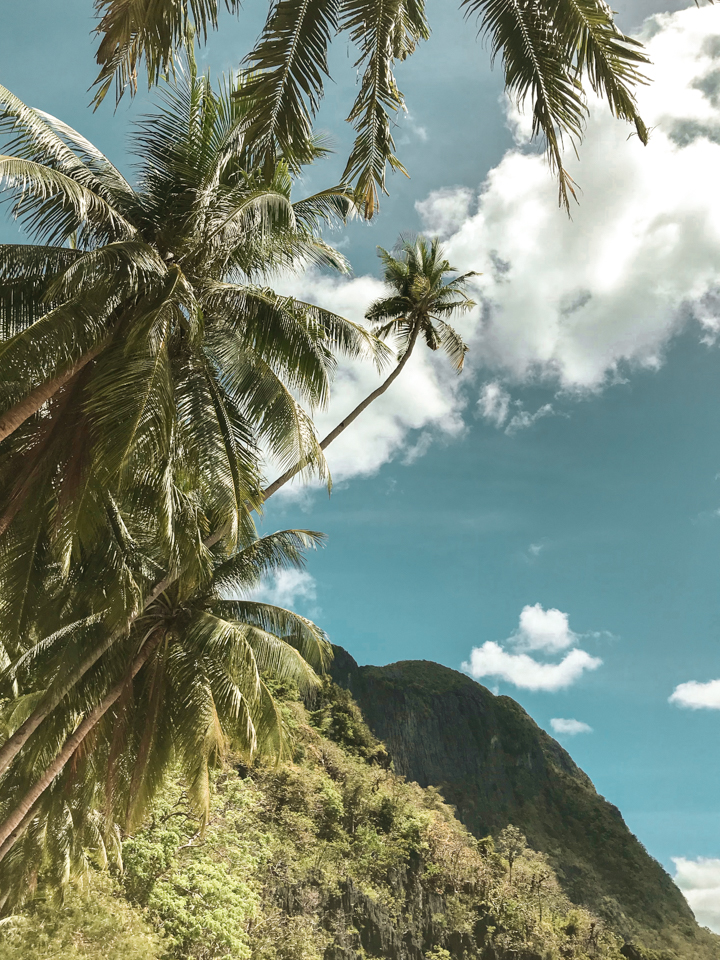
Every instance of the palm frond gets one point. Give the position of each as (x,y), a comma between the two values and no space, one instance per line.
(286,73)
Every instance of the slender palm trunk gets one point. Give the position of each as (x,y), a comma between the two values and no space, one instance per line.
(11,829)
(17,741)
(17,415)
(353,415)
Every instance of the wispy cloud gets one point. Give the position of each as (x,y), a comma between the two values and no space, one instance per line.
(569,728)
(496,406)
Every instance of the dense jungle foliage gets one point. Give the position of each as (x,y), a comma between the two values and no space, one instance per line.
(330,855)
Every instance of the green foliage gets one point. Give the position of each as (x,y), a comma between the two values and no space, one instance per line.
(333,849)
(94,923)
(551,52)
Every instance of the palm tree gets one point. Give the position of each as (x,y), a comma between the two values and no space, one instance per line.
(421,298)
(185,686)
(158,361)
(550,49)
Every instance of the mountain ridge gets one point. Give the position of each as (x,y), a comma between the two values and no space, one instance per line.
(496,766)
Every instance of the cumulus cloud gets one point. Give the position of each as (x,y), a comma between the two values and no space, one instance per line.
(491,660)
(572,303)
(544,629)
(699,880)
(539,631)
(577,301)
(569,727)
(697,696)
(287,588)
(445,210)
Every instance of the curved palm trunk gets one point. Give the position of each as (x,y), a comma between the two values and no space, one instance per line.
(12,828)
(353,415)
(14,744)
(17,415)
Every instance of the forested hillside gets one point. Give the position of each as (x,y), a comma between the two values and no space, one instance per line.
(331,855)
(497,767)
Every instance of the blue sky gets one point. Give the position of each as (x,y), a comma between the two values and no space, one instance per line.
(575,464)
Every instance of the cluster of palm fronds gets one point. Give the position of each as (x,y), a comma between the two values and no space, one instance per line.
(549,50)
(148,372)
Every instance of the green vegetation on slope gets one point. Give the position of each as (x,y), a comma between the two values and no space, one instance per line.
(331,856)
(497,767)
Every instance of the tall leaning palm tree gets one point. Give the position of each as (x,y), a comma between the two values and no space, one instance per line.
(552,51)
(422,296)
(145,362)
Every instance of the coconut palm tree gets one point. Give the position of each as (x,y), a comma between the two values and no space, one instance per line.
(421,299)
(551,51)
(184,687)
(144,360)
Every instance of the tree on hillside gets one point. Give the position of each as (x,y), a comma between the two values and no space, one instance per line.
(420,300)
(552,51)
(184,687)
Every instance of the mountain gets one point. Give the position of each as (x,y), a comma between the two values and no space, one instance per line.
(493,763)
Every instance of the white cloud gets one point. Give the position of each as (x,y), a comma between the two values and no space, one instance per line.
(445,210)
(490,660)
(535,549)
(287,587)
(699,880)
(569,727)
(544,629)
(576,300)
(697,696)
(494,403)
(572,303)
(523,419)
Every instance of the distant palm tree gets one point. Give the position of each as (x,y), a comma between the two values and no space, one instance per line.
(185,687)
(421,299)
(549,50)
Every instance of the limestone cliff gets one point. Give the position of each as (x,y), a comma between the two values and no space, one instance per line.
(496,766)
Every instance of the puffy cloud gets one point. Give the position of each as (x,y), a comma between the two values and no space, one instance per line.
(287,587)
(577,301)
(491,660)
(699,880)
(445,210)
(544,629)
(539,630)
(697,696)
(572,303)
(569,727)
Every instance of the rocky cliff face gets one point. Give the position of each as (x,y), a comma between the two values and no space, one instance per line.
(496,766)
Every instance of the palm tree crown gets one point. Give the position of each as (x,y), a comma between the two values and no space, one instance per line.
(145,360)
(422,297)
